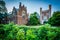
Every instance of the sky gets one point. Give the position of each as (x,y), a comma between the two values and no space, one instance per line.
(33,5)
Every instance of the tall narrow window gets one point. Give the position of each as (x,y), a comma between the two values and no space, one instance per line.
(23,14)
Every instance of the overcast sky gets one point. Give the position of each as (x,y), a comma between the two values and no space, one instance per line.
(33,5)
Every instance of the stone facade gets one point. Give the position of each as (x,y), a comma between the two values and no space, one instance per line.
(45,15)
(20,16)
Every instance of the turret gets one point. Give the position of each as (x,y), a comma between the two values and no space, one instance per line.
(20,5)
(14,11)
(23,5)
(40,10)
(40,15)
(50,10)
(50,7)
(13,8)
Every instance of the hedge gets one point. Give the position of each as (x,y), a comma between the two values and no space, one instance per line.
(15,32)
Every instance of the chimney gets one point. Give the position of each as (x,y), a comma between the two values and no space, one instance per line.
(14,7)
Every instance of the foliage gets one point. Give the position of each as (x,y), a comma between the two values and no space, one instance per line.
(42,32)
(2,3)
(33,19)
(3,18)
(2,35)
(3,13)
(55,19)
(30,35)
(16,32)
(20,34)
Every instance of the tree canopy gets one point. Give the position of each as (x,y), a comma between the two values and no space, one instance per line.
(55,19)
(33,19)
(3,18)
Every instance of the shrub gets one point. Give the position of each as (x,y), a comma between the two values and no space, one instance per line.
(20,35)
(30,35)
(2,32)
(51,35)
(42,33)
(15,32)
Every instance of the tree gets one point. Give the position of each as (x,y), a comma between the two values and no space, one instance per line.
(55,19)
(3,13)
(3,18)
(33,19)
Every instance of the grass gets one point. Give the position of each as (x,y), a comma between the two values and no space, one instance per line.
(37,26)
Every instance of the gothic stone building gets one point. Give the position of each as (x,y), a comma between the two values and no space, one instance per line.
(19,16)
(45,15)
